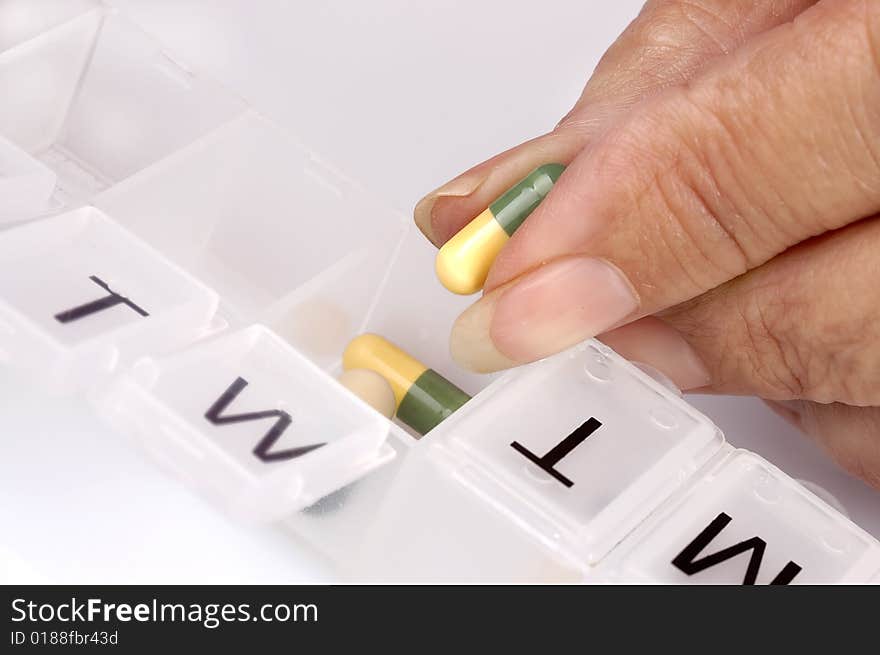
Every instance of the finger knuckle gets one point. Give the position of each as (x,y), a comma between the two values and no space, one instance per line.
(852,36)
(773,360)
(686,21)
(853,363)
(793,351)
(695,219)
(672,37)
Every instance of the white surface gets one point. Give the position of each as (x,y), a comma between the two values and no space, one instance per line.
(400,96)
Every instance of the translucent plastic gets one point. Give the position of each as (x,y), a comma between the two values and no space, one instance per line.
(250,422)
(79,294)
(575,451)
(337,524)
(746,522)
(26,184)
(288,242)
(414,311)
(200,281)
(96,100)
(435,527)
(21,20)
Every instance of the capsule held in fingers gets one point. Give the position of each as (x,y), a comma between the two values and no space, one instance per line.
(464,261)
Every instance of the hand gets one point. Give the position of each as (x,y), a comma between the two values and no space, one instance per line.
(716,219)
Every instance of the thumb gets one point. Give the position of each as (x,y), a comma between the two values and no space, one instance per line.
(694,187)
(666,44)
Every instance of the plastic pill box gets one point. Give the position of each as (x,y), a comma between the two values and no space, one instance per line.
(195,273)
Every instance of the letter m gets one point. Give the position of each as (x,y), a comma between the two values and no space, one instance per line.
(263,450)
(687,562)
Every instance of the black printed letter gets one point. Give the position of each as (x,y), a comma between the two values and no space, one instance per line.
(560,450)
(98,305)
(686,560)
(262,449)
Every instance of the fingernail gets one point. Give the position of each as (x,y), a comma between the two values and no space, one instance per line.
(541,313)
(460,187)
(652,341)
(483,184)
(470,344)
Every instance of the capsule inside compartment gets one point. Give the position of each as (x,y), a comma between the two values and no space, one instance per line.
(424,398)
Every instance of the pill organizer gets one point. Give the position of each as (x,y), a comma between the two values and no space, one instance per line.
(195,272)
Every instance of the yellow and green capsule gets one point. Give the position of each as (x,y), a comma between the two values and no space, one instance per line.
(464,261)
(424,397)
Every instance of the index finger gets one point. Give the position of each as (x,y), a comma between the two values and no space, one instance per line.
(775,144)
(667,43)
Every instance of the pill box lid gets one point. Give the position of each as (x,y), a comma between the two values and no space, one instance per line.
(249,422)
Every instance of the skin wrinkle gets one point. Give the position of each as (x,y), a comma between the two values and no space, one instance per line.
(662,48)
(789,367)
(705,270)
(772,371)
(618,83)
(850,366)
(741,201)
(675,194)
(871,22)
(784,145)
(842,150)
(725,218)
(851,125)
(844,339)
(735,234)
(693,319)
(690,10)
(652,190)
(860,127)
(776,210)
(637,198)
(781,329)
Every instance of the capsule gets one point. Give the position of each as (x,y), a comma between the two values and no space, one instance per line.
(372,388)
(424,397)
(464,261)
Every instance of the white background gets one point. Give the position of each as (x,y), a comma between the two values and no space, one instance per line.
(400,95)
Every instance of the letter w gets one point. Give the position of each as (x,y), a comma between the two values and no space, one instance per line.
(263,448)
(686,560)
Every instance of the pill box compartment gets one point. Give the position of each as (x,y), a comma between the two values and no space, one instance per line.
(280,236)
(289,243)
(744,522)
(94,98)
(573,452)
(254,262)
(82,297)
(24,19)
(256,230)
(209,220)
(26,184)
(213,220)
(218,415)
